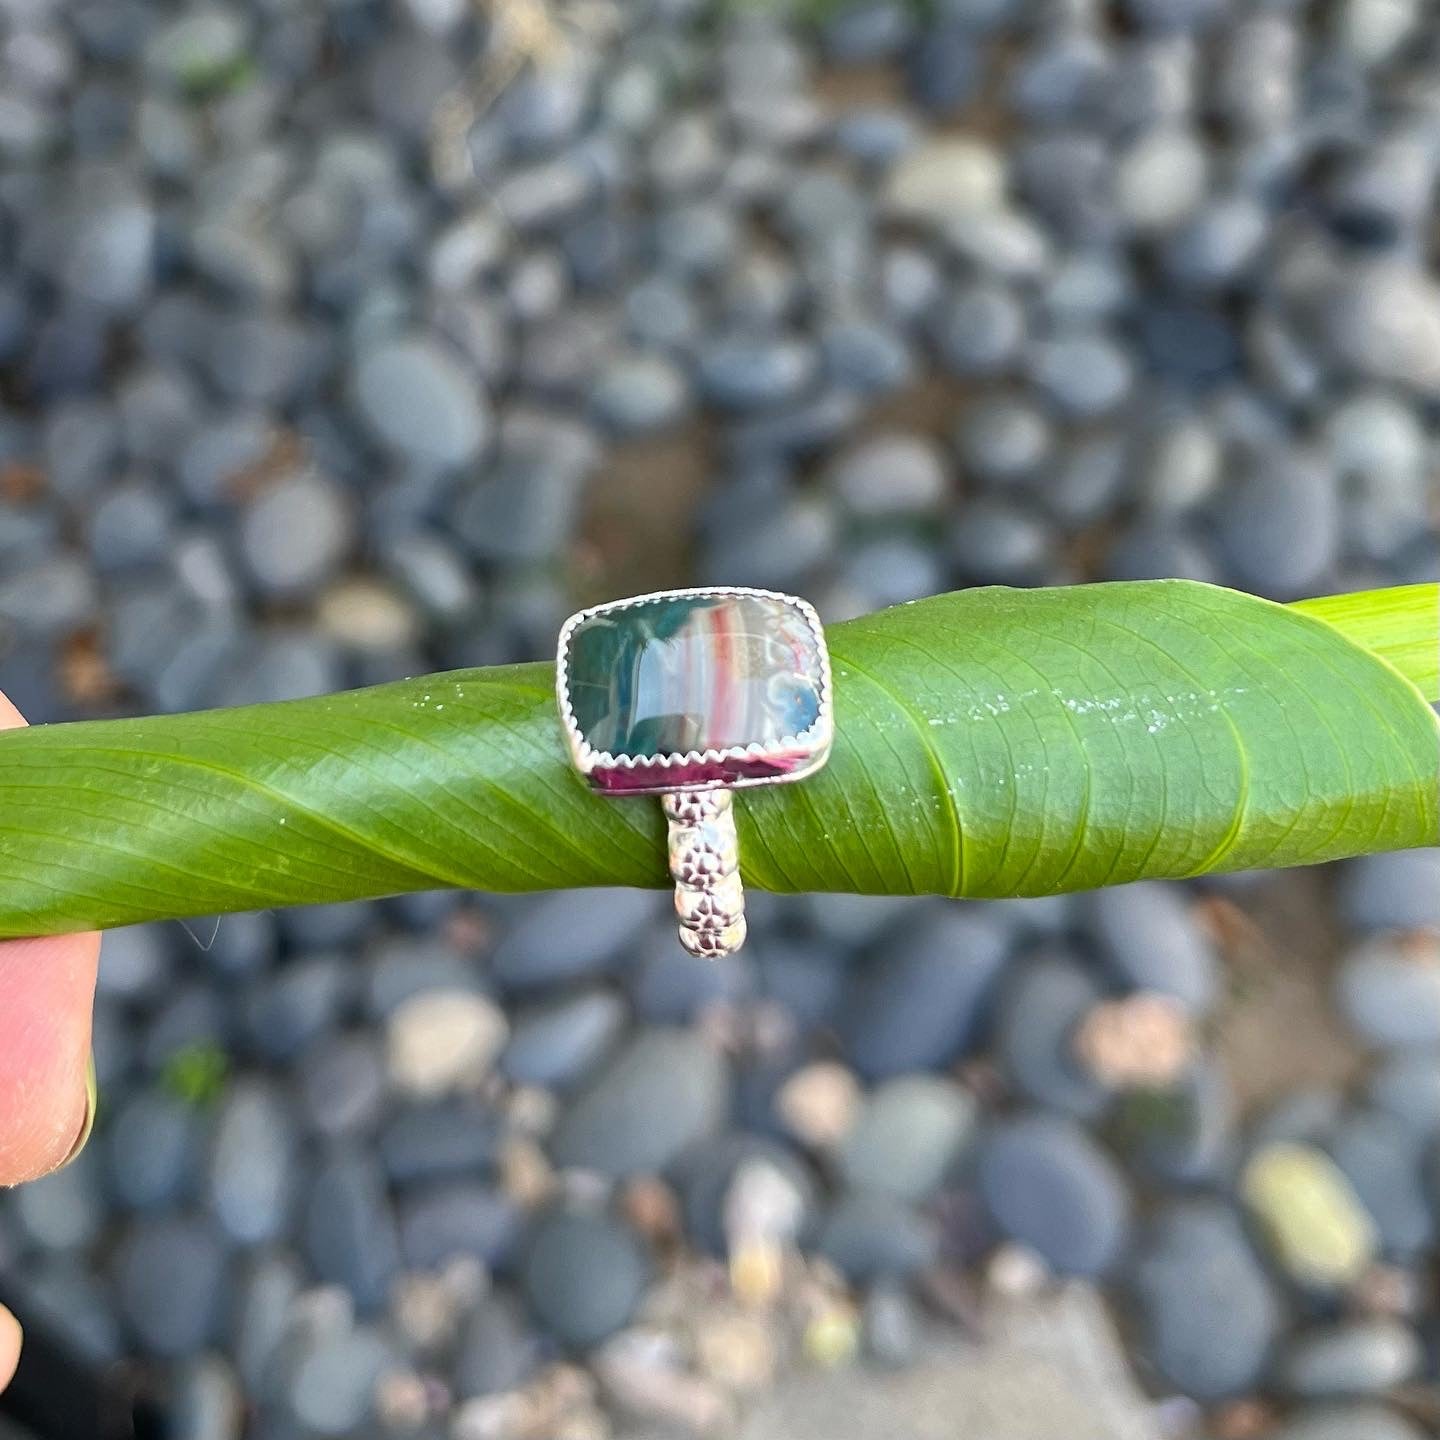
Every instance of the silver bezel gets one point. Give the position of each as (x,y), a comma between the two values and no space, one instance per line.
(813,744)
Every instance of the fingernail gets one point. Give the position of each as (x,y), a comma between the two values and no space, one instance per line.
(92,1098)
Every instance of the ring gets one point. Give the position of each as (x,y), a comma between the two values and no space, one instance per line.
(689,694)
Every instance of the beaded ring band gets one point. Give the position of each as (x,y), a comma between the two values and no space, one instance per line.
(689,694)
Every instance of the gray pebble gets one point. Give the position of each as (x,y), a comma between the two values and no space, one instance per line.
(558,1044)
(171,1278)
(997,542)
(979,330)
(1280,524)
(1396,891)
(891,1326)
(497,1351)
(1355,1358)
(1048,1185)
(922,999)
(889,475)
(440,1141)
(298,1003)
(135,962)
(1384,1162)
(1004,440)
(455,1218)
(573,934)
(639,392)
(64,1210)
(152,1148)
(663,1091)
(583,1276)
(295,534)
(418,402)
(1347,1422)
(870,1236)
(744,373)
(341,1084)
(252,1172)
(1150,938)
(331,1387)
(1209,1312)
(1084,374)
(1184,1134)
(907,1135)
(1407,1086)
(349,1228)
(1391,997)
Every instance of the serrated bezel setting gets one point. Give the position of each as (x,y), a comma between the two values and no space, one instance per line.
(790,758)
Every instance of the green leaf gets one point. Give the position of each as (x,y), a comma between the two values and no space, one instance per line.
(991,742)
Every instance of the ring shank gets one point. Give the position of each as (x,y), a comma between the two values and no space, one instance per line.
(705,865)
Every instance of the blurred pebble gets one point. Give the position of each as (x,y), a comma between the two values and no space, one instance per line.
(1209,1313)
(558,1044)
(349,1228)
(1366,1357)
(1383,1161)
(1149,935)
(871,1236)
(1049,1186)
(907,1135)
(171,1277)
(1399,890)
(251,1178)
(1317,1230)
(919,1002)
(583,1275)
(1389,991)
(443,1040)
(663,1091)
(1347,1422)
(153,1151)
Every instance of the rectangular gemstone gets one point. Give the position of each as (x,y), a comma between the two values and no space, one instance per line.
(694,672)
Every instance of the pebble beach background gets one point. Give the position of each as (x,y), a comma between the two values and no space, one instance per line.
(346,341)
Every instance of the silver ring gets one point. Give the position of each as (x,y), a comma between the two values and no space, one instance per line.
(690,694)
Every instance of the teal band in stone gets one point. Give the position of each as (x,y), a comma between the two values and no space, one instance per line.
(688,694)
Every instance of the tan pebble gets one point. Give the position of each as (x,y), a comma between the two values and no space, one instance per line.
(1247,1419)
(738,1351)
(1016,1272)
(467,1278)
(651,1206)
(818,1103)
(1387,1290)
(532,1110)
(583,1424)
(757,1271)
(425,1310)
(443,1041)
(526,1174)
(1143,1040)
(641,1372)
(364,614)
(494,1417)
(402,1402)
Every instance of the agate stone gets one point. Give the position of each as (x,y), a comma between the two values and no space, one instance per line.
(694,672)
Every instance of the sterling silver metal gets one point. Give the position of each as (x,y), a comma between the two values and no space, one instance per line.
(694,787)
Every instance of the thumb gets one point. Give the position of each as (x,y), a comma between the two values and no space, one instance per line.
(9,1346)
(46,988)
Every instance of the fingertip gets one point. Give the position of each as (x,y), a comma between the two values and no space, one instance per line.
(11,1337)
(46,990)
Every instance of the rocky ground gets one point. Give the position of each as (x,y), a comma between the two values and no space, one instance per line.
(346,342)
